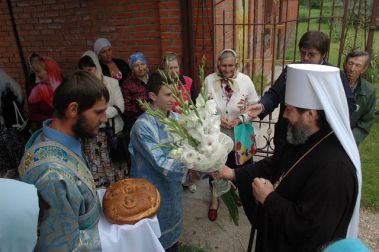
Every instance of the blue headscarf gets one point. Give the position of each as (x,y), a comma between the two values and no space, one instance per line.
(138,56)
(18,215)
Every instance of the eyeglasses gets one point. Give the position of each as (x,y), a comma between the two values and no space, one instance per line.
(310,54)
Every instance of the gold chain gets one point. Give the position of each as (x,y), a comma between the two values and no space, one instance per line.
(301,158)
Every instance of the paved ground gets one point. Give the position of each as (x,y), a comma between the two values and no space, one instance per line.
(221,235)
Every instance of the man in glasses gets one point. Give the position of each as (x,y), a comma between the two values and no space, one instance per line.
(313,46)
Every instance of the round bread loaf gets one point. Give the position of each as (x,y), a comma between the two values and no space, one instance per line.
(130,200)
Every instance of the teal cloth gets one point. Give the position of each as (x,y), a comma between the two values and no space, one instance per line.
(347,245)
(244,140)
(18,216)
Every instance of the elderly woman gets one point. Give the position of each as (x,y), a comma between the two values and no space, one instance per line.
(134,88)
(112,67)
(40,100)
(232,91)
(96,149)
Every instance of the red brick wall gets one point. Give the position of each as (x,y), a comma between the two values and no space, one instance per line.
(203,30)
(9,57)
(64,29)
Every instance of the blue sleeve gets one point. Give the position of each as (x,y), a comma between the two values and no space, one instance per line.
(146,142)
(59,227)
(274,96)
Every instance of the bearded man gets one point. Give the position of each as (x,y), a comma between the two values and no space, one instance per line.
(55,164)
(308,194)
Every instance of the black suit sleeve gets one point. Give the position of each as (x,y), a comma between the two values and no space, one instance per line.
(274,96)
(245,176)
(349,94)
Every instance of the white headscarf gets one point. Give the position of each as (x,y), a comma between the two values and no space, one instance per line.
(100,43)
(18,216)
(320,87)
(220,77)
(95,59)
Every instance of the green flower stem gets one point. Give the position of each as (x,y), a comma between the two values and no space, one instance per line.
(229,199)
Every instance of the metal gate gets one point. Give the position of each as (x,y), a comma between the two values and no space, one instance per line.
(265,34)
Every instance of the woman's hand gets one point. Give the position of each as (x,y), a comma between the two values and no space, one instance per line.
(234,122)
(225,123)
(242,105)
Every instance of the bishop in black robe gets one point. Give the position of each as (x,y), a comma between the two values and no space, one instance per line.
(314,202)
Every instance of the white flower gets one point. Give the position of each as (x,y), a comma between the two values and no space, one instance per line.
(208,144)
(200,101)
(176,153)
(174,137)
(211,107)
(189,156)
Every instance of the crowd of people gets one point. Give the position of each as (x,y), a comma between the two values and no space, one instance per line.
(88,130)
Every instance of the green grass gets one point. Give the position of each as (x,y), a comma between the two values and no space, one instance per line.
(335,34)
(192,248)
(370,168)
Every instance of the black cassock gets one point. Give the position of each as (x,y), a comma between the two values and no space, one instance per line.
(313,204)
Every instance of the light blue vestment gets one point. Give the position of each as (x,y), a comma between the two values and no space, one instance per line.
(54,163)
(152,163)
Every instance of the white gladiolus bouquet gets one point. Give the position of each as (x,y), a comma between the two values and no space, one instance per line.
(197,139)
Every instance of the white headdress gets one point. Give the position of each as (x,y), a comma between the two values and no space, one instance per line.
(320,87)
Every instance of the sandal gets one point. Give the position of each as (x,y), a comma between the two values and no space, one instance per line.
(212,213)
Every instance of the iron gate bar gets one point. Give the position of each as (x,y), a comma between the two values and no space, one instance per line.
(272,29)
(343,36)
(320,19)
(372,27)
(296,31)
(358,15)
(332,19)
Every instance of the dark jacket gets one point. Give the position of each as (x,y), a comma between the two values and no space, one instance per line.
(122,66)
(363,116)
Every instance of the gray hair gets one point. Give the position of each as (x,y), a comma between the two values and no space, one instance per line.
(227,53)
(358,53)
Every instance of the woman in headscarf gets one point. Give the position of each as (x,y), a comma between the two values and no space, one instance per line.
(134,88)
(32,79)
(40,101)
(18,216)
(112,67)
(96,149)
(232,91)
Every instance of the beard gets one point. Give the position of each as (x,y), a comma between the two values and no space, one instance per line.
(297,134)
(82,129)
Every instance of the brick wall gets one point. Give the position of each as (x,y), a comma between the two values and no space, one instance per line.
(9,57)
(64,29)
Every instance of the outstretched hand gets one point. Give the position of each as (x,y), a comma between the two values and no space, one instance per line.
(226,173)
(254,110)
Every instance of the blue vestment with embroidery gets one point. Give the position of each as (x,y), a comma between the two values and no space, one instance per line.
(151,162)
(54,163)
